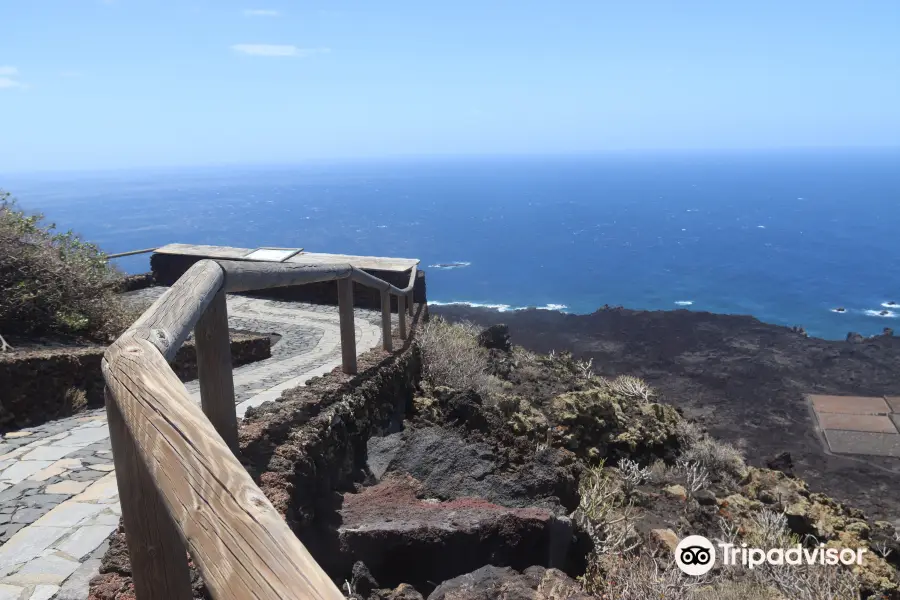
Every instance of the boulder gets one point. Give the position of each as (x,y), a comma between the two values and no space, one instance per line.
(404,539)
(404,591)
(855,338)
(705,498)
(490,583)
(782,462)
(495,337)
(664,539)
(450,467)
(676,491)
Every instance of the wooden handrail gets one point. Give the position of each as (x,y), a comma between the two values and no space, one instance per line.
(131,253)
(181,487)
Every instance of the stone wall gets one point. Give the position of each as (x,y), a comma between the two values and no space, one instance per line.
(306,446)
(167,268)
(42,385)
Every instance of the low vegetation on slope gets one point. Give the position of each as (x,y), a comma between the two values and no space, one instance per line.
(647,478)
(53,282)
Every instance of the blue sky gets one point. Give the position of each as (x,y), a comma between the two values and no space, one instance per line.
(127,83)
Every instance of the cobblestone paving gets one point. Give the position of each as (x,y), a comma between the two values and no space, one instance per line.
(58,497)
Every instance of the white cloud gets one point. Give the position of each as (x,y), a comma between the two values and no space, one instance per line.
(9,78)
(261,12)
(277,50)
(7,83)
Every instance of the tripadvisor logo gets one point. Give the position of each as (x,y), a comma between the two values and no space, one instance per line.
(696,555)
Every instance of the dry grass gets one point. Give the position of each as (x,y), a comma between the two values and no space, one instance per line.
(618,577)
(76,400)
(717,457)
(53,282)
(452,357)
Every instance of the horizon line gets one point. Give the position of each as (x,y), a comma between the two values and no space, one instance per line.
(375,159)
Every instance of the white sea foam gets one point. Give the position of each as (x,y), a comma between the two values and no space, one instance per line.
(890,304)
(840,312)
(684,302)
(760,226)
(559,307)
(499,307)
(888,314)
(450,265)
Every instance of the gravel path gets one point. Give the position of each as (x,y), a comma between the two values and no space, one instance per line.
(58,496)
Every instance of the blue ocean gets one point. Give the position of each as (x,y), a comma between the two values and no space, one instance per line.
(787,237)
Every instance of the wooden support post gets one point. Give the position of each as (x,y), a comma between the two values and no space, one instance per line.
(348,328)
(214,370)
(401,312)
(159,564)
(386,335)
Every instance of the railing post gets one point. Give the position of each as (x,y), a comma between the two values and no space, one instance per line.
(401,312)
(214,370)
(386,335)
(348,328)
(159,564)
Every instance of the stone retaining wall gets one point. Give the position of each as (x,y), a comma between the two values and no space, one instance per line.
(42,385)
(167,268)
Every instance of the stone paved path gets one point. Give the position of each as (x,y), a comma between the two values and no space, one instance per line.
(58,495)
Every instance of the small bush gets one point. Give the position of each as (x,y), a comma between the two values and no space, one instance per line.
(452,357)
(631,388)
(719,458)
(53,282)
(638,578)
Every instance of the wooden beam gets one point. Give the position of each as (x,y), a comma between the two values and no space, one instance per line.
(159,564)
(401,312)
(214,370)
(387,341)
(244,276)
(131,253)
(237,539)
(348,328)
(170,319)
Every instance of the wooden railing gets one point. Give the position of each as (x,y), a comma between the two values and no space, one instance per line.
(181,486)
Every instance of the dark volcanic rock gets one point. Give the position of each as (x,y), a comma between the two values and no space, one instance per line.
(362,581)
(403,591)
(402,538)
(450,467)
(490,583)
(742,379)
(495,337)
(782,462)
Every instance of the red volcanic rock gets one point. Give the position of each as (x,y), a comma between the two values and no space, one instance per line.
(402,538)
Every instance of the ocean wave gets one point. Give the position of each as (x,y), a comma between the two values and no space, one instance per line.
(890,304)
(500,307)
(684,302)
(450,265)
(884,314)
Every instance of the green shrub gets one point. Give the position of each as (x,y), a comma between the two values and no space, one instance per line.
(53,282)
